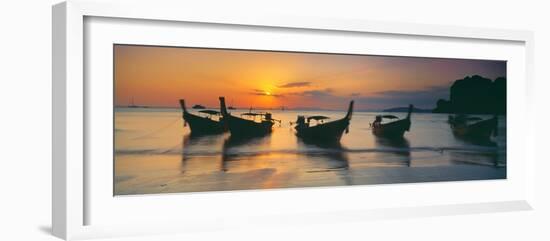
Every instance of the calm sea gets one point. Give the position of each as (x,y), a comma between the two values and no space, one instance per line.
(154,153)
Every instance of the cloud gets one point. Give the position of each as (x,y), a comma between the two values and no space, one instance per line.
(295,84)
(263,93)
(316,93)
(404,93)
(423,98)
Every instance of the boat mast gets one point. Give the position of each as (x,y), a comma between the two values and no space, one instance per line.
(182,104)
(410,111)
(223,109)
(350,110)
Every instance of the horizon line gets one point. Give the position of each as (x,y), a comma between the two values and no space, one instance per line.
(239,108)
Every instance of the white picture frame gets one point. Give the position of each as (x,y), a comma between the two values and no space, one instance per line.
(72,188)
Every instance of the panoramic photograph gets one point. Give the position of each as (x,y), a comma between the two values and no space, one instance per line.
(204,119)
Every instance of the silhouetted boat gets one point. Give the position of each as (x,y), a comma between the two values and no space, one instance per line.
(198,107)
(395,129)
(230,107)
(133,105)
(480,129)
(323,132)
(245,127)
(200,125)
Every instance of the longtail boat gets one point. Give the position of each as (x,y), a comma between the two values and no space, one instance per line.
(394,129)
(323,132)
(200,125)
(247,127)
(473,127)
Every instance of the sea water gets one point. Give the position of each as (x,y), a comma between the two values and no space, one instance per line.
(155,153)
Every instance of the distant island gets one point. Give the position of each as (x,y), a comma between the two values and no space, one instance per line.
(475,95)
(406,109)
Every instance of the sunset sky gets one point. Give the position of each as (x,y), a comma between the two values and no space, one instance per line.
(159,76)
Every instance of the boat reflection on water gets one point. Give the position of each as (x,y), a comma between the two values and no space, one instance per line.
(332,153)
(480,158)
(236,148)
(485,142)
(326,157)
(193,149)
(399,148)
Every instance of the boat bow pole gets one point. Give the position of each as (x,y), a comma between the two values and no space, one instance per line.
(223,109)
(349,114)
(411,107)
(182,104)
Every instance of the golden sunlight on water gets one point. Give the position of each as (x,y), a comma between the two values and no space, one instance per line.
(154,153)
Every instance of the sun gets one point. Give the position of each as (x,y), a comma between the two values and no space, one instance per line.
(267,92)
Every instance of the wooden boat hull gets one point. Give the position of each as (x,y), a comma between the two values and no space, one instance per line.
(394,129)
(481,130)
(240,127)
(326,132)
(331,131)
(202,125)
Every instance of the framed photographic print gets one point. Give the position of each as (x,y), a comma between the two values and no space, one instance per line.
(169,112)
(272,119)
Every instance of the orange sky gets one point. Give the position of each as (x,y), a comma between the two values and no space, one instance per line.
(159,76)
